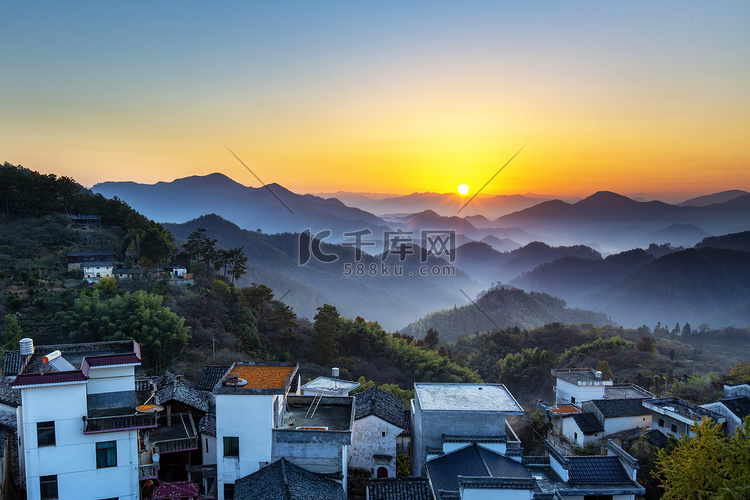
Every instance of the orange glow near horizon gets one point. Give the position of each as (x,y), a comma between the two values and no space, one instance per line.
(385,98)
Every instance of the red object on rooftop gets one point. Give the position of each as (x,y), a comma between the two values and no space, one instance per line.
(170,491)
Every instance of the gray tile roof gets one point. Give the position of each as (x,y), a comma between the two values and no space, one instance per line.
(597,470)
(739,406)
(656,438)
(405,488)
(207,425)
(176,388)
(12,361)
(588,423)
(211,375)
(284,480)
(612,408)
(471,461)
(8,395)
(407,421)
(377,402)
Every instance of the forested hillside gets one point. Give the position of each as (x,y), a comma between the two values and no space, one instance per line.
(502,308)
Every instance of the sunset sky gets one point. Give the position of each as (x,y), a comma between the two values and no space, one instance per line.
(387,96)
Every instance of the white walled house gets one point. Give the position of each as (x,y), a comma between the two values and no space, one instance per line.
(578,385)
(77,424)
(617,415)
(378,421)
(575,385)
(581,428)
(733,409)
(92,271)
(676,417)
(260,417)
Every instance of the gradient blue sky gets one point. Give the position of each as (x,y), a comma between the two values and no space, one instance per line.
(644,96)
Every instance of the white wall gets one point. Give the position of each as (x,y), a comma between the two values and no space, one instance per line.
(209,446)
(251,418)
(565,391)
(111,379)
(368,440)
(617,424)
(73,457)
(490,494)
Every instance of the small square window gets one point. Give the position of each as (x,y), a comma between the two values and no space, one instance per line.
(48,488)
(661,422)
(383,433)
(106,454)
(231,446)
(45,433)
(228,491)
(674,428)
(573,400)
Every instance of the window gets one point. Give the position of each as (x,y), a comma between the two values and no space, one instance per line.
(383,433)
(106,454)
(228,491)
(231,447)
(674,427)
(661,422)
(48,487)
(575,436)
(382,472)
(45,433)
(572,400)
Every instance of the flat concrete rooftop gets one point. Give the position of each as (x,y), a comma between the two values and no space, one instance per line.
(330,385)
(585,376)
(626,391)
(333,413)
(467,397)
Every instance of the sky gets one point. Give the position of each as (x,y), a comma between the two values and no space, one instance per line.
(389,96)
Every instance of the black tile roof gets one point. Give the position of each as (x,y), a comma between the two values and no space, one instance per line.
(739,406)
(12,361)
(8,395)
(611,408)
(588,423)
(597,470)
(377,402)
(407,421)
(211,375)
(207,425)
(284,480)
(404,488)
(471,461)
(176,388)
(656,438)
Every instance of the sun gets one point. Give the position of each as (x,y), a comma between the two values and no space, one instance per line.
(463,189)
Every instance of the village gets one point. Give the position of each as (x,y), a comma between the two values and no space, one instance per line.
(79,423)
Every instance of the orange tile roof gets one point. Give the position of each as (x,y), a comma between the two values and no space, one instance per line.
(262,377)
(565,409)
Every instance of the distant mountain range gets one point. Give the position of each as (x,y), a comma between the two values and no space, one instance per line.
(408,290)
(272,209)
(445,204)
(608,222)
(615,222)
(706,284)
(555,247)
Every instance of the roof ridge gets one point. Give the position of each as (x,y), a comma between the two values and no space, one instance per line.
(285,480)
(486,467)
